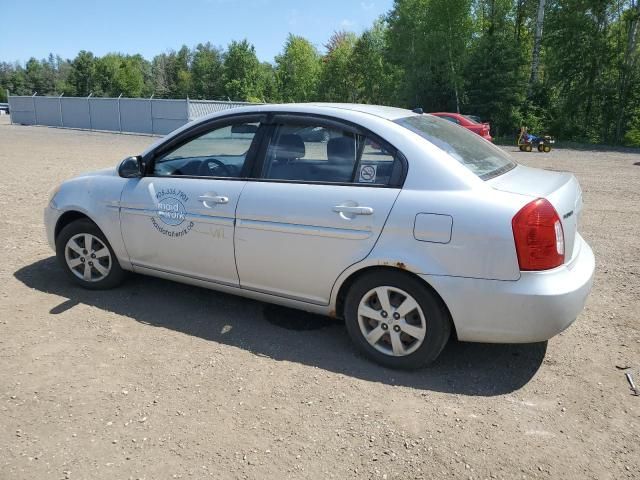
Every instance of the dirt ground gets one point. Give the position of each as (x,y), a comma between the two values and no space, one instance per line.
(160,380)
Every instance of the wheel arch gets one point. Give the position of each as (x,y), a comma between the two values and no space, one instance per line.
(68,217)
(354,276)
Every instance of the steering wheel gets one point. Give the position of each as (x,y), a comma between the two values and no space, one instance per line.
(205,169)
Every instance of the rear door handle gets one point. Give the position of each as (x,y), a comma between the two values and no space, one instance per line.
(353,210)
(219,199)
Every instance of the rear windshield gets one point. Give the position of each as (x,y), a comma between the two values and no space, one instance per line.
(477,154)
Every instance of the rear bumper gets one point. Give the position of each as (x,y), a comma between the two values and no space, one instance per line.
(534,308)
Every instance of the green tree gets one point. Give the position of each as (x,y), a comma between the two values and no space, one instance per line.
(12,78)
(206,71)
(180,70)
(62,73)
(428,41)
(537,43)
(577,78)
(170,74)
(117,74)
(131,78)
(269,83)
(298,70)
(337,80)
(628,35)
(82,74)
(241,72)
(496,72)
(35,76)
(580,70)
(374,75)
(161,81)
(632,135)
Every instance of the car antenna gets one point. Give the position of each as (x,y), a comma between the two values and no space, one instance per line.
(418,110)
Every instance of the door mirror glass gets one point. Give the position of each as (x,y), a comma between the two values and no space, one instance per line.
(131,167)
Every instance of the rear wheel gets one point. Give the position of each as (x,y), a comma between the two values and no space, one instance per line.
(86,256)
(541,147)
(528,147)
(396,320)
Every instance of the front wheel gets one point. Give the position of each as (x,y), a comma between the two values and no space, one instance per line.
(396,320)
(86,256)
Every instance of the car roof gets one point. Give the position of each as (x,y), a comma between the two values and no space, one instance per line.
(390,113)
(339,110)
(382,111)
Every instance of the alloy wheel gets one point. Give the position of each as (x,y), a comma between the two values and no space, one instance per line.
(391,321)
(88,257)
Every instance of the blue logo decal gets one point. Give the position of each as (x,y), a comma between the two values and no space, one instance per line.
(172,212)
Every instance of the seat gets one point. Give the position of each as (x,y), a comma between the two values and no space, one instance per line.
(289,148)
(341,151)
(341,157)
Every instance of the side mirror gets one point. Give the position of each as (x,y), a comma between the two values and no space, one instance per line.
(132,167)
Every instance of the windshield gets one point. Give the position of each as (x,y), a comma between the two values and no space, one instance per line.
(477,154)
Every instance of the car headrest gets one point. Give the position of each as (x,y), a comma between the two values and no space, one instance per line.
(341,150)
(289,147)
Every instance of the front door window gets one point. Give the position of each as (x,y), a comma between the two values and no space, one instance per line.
(219,153)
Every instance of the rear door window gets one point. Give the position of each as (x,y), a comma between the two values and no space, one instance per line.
(308,152)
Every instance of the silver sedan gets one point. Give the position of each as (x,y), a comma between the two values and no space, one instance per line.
(408,227)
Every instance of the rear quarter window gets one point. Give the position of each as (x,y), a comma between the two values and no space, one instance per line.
(477,154)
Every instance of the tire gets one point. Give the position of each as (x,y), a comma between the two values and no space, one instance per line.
(547,148)
(93,268)
(528,148)
(434,324)
(541,147)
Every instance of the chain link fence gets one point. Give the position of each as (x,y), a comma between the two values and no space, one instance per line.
(200,108)
(151,116)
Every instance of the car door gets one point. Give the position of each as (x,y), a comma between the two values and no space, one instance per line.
(179,218)
(318,206)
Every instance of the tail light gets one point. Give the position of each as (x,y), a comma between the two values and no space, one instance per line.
(485,129)
(538,236)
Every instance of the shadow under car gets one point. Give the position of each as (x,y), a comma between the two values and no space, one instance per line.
(462,368)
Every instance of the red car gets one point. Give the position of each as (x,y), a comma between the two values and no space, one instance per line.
(469,122)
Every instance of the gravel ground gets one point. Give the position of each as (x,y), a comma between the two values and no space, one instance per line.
(160,380)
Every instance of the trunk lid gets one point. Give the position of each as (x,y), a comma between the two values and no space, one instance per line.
(561,189)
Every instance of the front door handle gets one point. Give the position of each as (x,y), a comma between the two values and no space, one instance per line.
(351,210)
(219,199)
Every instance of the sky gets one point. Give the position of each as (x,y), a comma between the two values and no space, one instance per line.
(34,28)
